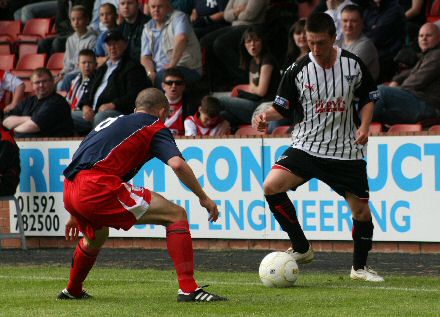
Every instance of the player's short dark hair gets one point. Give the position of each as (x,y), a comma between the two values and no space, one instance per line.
(320,23)
(87,52)
(42,71)
(111,6)
(174,72)
(211,106)
(354,8)
(150,99)
(80,8)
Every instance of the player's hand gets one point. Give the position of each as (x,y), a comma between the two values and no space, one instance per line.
(211,207)
(72,229)
(259,122)
(361,136)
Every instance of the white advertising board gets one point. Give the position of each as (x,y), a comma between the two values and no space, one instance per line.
(404,178)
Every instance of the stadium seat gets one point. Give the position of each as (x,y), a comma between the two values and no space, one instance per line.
(26,48)
(34,30)
(248,130)
(7,62)
(27,63)
(375,127)
(281,130)
(5,49)
(434,128)
(234,92)
(416,127)
(9,31)
(432,10)
(28,90)
(305,8)
(55,63)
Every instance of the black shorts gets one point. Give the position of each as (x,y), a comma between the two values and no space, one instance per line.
(341,175)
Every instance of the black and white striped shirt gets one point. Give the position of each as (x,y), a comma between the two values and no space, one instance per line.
(324,102)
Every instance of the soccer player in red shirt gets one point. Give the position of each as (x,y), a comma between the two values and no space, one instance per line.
(98,196)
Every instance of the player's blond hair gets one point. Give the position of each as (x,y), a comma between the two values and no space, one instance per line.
(151,100)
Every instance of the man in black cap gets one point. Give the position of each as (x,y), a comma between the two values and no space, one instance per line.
(114,88)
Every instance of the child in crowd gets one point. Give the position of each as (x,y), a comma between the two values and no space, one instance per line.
(173,85)
(79,86)
(207,120)
(107,17)
(82,38)
(9,82)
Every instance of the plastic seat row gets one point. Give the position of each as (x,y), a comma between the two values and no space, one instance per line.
(27,63)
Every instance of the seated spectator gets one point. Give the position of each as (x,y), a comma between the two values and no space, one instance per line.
(95,23)
(334,9)
(82,38)
(113,89)
(9,82)
(173,85)
(79,86)
(42,9)
(168,41)
(46,114)
(64,29)
(356,42)
(208,16)
(207,120)
(9,163)
(221,46)
(107,17)
(264,78)
(132,26)
(414,96)
(385,25)
(297,46)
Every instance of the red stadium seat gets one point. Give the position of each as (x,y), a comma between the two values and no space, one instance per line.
(375,127)
(248,130)
(27,64)
(24,49)
(55,63)
(281,130)
(234,92)
(28,89)
(9,30)
(416,127)
(5,49)
(434,128)
(34,30)
(7,62)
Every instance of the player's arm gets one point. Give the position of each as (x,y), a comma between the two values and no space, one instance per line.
(260,120)
(366,117)
(186,175)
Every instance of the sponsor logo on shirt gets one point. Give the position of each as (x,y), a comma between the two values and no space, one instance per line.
(337,105)
(374,95)
(282,102)
(310,87)
(350,78)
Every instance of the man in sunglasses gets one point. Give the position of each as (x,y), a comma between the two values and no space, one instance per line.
(173,84)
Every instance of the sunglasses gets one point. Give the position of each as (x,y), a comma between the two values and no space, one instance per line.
(171,82)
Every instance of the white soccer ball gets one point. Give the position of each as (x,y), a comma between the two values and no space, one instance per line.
(278,269)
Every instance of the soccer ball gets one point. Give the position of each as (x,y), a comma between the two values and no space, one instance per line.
(278,269)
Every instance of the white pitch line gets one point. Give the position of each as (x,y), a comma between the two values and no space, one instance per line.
(169,281)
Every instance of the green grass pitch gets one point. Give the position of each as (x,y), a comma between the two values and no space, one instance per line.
(31,291)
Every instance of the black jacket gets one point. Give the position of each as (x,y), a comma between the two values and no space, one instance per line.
(123,85)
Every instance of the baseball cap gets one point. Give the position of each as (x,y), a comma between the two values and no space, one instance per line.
(114,36)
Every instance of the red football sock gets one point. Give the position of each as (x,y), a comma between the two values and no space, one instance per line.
(82,262)
(180,249)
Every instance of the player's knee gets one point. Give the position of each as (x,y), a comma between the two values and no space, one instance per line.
(179,214)
(271,188)
(101,236)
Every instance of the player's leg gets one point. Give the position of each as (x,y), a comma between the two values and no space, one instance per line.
(83,259)
(276,185)
(179,244)
(362,234)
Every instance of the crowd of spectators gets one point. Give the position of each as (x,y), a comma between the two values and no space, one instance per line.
(193,49)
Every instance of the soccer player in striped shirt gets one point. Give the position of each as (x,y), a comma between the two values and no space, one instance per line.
(331,94)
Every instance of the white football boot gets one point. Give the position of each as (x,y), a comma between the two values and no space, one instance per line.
(302,258)
(366,274)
